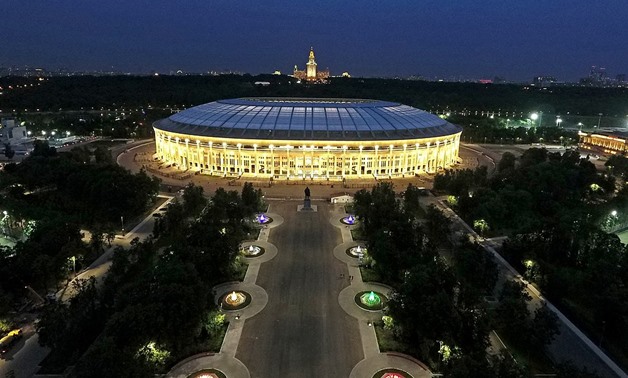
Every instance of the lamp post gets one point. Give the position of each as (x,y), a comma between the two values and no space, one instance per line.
(534,116)
(558,121)
(599,120)
(122,222)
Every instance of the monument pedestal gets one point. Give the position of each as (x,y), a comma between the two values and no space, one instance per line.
(307,205)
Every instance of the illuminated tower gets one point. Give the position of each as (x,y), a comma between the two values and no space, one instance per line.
(311,66)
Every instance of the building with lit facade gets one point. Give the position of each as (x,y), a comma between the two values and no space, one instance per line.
(316,138)
(603,143)
(311,72)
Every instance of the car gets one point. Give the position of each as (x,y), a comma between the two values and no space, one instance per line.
(157,215)
(7,342)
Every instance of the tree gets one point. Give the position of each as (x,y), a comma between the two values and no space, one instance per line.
(102,155)
(507,162)
(544,327)
(8,151)
(411,200)
(512,314)
(477,272)
(437,226)
(193,199)
(251,198)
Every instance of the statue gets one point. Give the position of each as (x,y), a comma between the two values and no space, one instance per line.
(307,204)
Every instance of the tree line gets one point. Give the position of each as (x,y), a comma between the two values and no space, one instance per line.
(156,305)
(139,91)
(557,211)
(443,282)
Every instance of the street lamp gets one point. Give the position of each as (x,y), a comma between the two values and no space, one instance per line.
(558,121)
(122,222)
(580,124)
(534,116)
(599,120)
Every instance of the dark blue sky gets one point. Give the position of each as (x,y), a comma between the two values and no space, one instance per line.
(515,39)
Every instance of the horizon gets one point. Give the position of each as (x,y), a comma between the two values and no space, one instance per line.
(464,40)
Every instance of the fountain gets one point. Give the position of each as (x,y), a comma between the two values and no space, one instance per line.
(356,251)
(252,251)
(235,300)
(371,300)
(349,220)
(208,373)
(263,219)
(391,373)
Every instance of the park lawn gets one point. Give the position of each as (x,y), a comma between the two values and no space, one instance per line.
(389,343)
(357,234)
(369,275)
(537,360)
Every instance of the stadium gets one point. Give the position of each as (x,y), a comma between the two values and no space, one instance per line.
(285,138)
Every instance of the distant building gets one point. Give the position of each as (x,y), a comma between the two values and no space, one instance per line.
(603,142)
(12,134)
(311,73)
(543,81)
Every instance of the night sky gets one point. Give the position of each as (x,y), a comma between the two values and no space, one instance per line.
(514,39)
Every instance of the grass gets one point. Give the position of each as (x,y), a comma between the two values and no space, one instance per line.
(239,270)
(536,359)
(388,342)
(349,209)
(357,234)
(211,344)
(370,275)
(253,234)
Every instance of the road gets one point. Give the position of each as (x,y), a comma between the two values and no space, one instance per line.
(303,331)
(27,355)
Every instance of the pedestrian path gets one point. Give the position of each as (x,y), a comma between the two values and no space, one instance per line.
(374,361)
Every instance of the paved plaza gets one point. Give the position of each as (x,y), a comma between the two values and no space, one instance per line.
(303,320)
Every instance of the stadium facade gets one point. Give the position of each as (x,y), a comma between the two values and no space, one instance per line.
(284,138)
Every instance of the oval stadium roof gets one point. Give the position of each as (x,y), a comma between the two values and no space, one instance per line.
(307,119)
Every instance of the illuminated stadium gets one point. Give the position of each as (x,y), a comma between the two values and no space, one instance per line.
(286,138)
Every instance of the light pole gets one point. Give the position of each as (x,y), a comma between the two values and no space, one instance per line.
(122,222)
(558,121)
(534,116)
(599,120)
(580,124)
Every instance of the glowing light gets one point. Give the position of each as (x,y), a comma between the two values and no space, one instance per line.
(349,219)
(370,299)
(262,219)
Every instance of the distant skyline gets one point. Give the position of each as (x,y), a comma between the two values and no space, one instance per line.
(515,40)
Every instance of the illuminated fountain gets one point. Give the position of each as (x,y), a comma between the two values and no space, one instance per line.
(208,373)
(356,251)
(263,219)
(349,220)
(371,300)
(235,300)
(391,373)
(252,251)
